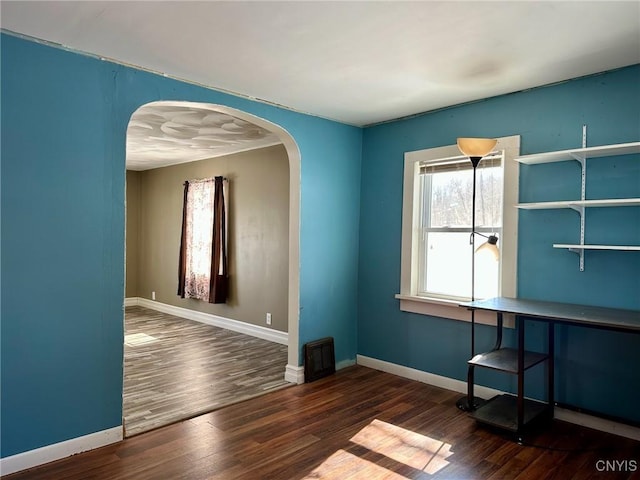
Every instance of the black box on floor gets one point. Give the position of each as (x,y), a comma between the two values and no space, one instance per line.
(319,359)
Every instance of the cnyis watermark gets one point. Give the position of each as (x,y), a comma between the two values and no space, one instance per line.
(616,465)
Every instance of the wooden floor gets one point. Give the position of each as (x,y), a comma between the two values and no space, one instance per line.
(176,368)
(356,424)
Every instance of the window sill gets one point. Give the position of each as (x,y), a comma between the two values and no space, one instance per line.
(449,309)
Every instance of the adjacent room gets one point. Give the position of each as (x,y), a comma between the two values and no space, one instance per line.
(187,353)
(193,194)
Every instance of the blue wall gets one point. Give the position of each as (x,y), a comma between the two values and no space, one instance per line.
(64,119)
(596,370)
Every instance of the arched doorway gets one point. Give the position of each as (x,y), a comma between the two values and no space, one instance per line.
(292,371)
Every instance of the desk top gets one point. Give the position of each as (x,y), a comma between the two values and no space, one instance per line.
(611,318)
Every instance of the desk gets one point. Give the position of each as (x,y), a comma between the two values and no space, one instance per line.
(515,412)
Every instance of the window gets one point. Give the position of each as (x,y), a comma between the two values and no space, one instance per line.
(199,221)
(436,228)
(202,265)
(444,226)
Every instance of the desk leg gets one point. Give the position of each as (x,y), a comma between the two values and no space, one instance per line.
(499,325)
(470,384)
(551,364)
(520,373)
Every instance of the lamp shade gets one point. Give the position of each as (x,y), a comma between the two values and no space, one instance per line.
(476,147)
(490,247)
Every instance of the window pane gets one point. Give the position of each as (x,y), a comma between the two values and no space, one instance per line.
(489,197)
(451,199)
(448,267)
(199,220)
(451,196)
(199,229)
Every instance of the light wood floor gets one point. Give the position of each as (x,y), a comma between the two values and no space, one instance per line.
(356,424)
(176,368)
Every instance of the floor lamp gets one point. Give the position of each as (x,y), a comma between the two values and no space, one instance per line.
(475,149)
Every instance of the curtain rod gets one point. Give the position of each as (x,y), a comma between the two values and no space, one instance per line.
(224,179)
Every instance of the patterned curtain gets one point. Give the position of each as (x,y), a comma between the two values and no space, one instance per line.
(202,267)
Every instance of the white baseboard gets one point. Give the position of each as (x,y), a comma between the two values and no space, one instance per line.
(597,423)
(131,301)
(57,451)
(294,374)
(269,334)
(425,377)
(459,386)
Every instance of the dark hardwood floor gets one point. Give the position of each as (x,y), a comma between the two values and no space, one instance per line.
(356,424)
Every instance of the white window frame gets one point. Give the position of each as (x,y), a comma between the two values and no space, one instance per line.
(410,301)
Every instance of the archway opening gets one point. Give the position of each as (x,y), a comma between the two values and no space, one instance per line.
(172,132)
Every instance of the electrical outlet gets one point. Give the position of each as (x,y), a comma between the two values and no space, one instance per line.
(153,295)
(268,319)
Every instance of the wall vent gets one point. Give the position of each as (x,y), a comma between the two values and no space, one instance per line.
(319,359)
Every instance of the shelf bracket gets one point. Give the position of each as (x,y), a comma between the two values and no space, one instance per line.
(580,251)
(580,158)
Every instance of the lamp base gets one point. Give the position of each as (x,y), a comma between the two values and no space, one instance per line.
(463,404)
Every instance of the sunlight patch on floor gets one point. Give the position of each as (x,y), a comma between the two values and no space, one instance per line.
(135,339)
(342,465)
(404,446)
(400,447)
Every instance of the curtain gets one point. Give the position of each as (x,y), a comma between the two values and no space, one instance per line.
(219,279)
(202,265)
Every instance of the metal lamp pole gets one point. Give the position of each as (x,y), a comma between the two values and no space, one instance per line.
(470,403)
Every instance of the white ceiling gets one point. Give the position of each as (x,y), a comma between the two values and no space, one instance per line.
(358,62)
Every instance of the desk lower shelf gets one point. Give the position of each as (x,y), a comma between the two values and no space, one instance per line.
(506,360)
(502,412)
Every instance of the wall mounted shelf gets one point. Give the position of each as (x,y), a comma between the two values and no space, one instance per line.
(581,155)
(574,204)
(598,247)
